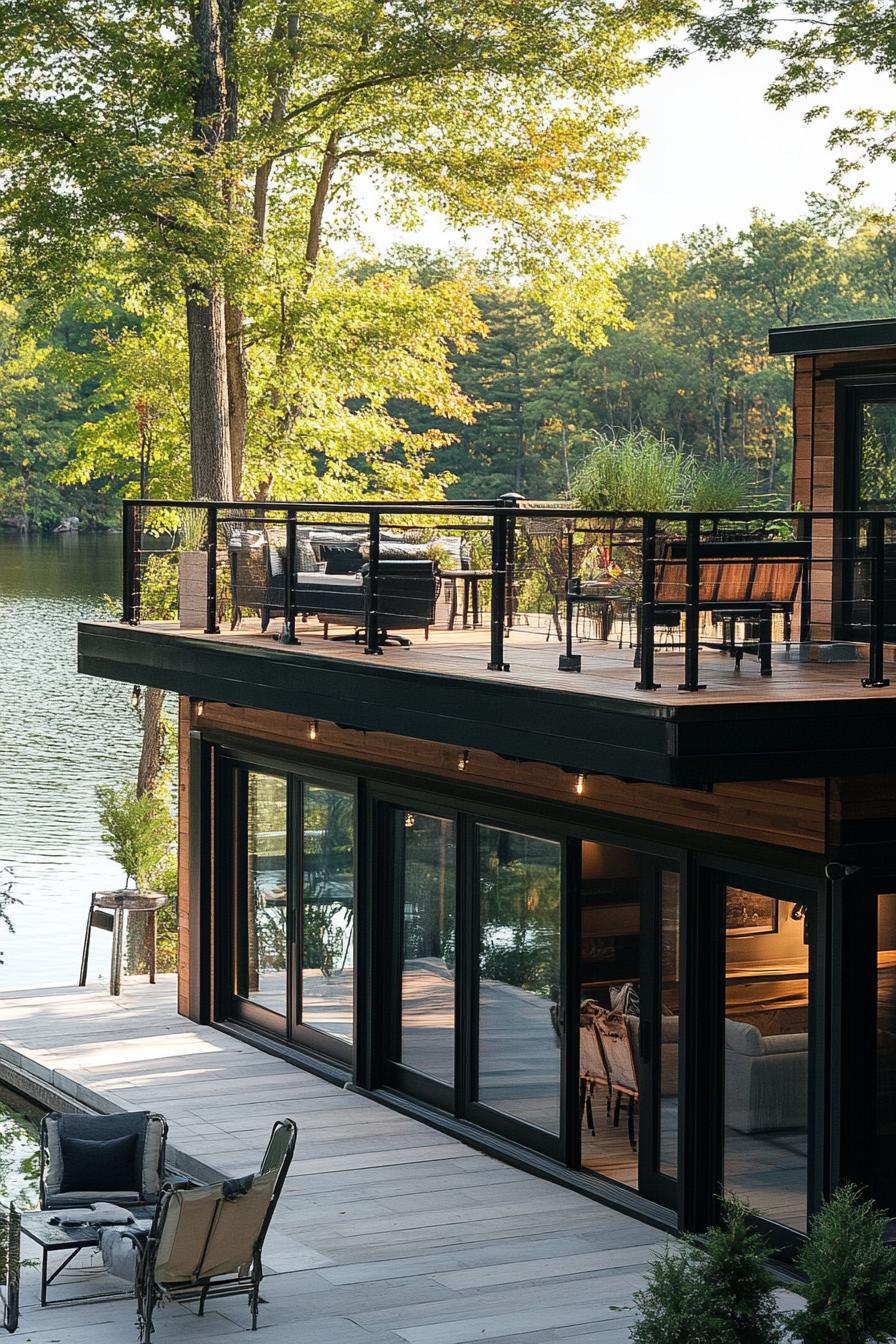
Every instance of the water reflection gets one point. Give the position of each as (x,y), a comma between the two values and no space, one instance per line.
(60,735)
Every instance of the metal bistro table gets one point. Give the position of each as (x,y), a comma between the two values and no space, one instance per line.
(51,1237)
(107,911)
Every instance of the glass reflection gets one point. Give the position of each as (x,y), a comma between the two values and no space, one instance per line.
(427,878)
(328,904)
(519,976)
(767,1054)
(265,898)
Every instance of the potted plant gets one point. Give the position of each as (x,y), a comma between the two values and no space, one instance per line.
(192,569)
(139,830)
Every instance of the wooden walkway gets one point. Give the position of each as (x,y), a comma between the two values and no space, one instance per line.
(388,1231)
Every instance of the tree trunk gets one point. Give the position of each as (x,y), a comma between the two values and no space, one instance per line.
(237,394)
(151,755)
(316,217)
(214,121)
(209,407)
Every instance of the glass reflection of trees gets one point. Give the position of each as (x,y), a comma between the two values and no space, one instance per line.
(877,476)
(328,890)
(266,940)
(519,902)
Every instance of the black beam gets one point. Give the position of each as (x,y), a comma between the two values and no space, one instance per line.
(686,744)
(825,337)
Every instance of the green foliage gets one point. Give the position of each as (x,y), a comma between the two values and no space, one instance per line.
(715,1292)
(719,487)
(851,1274)
(7,901)
(138,830)
(633,471)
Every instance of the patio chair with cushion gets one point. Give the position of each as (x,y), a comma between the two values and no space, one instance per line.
(119,1159)
(205,1242)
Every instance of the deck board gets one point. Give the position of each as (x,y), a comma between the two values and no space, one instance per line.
(387,1231)
(607,669)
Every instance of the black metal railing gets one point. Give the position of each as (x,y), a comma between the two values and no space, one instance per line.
(817,586)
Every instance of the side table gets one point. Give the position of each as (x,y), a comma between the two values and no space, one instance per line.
(107,911)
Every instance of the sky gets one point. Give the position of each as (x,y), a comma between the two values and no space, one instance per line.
(716,150)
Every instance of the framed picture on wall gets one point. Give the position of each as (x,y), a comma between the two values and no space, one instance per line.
(748,913)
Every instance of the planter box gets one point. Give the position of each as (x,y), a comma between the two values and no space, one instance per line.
(192,589)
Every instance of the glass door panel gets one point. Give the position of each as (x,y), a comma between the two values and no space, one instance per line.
(427,984)
(766,1051)
(262,898)
(420,960)
(518,985)
(628,1019)
(328,907)
(667,1057)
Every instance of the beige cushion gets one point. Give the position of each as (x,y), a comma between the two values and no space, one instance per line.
(204,1234)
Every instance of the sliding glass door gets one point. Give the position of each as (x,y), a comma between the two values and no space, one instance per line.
(289,938)
(421,1039)
(767,1033)
(518,1059)
(629,1019)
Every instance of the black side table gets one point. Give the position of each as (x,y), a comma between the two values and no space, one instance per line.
(69,1241)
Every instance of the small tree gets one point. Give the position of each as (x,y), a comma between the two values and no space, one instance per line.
(139,830)
(715,1292)
(851,1274)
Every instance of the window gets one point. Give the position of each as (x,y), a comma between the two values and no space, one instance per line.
(328,909)
(519,880)
(262,965)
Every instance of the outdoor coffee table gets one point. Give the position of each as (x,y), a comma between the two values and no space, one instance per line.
(52,1237)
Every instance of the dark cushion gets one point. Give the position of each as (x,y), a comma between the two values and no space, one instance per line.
(345,559)
(99,1164)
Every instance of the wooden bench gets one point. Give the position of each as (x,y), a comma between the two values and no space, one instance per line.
(747,579)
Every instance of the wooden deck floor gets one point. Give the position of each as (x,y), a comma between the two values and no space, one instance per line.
(607,669)
(388,1231)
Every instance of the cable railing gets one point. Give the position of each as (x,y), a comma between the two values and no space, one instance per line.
(785,586)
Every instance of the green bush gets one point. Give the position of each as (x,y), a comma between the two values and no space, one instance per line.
(634,471)
(138,830)
(851,1274)
(715,1292)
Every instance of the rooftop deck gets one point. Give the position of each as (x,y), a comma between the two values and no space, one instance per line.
(388,1231)
(783,622)
(807,719)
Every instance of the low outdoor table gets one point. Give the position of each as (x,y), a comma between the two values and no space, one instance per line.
(107,911)
(470,578)
(39,1226)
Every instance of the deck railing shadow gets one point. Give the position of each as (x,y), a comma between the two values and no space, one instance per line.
(779,585)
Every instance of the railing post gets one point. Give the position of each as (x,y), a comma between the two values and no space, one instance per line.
(692,607)
(877,556)
(288,635)
(128,564)
(648,604)
(372,632)
(211,572)
(510,500)
(500,520)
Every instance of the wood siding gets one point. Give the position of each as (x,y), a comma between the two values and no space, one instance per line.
(789,813)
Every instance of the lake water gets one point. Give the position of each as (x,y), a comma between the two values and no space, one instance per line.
(61,734)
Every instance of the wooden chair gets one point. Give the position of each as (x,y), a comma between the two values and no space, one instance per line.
(593,1070)
(619,1053)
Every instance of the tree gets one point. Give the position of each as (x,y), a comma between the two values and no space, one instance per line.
(816,40)
(187,130)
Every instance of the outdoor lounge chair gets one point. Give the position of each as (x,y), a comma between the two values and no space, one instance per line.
(119,1159)
(205,1242)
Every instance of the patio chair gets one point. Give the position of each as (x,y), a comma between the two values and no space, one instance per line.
(119,1159)
(207,1242)
(616,1040)
(593,1071)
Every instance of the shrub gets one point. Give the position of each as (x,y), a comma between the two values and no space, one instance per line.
(138,830)
(721,487)
(851,1274)
(715,1292)
(630,472)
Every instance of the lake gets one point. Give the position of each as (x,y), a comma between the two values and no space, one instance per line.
(61,734)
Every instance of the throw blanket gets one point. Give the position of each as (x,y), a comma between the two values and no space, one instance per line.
(97,1215)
